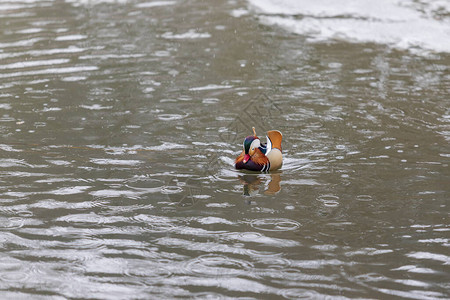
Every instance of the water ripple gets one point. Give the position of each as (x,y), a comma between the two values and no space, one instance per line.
(275,224)
(11,223)
(13,270)
(155,223)
(147,269)
(50,71)
(329,200)
(119,127)
(217,265)
(364,198)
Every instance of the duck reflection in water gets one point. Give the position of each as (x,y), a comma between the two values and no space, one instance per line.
(253,182)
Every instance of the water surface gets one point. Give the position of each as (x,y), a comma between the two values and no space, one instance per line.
(120,121)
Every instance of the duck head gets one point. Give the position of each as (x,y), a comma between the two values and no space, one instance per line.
(251,143)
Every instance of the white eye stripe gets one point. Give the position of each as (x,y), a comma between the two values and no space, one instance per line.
(269,145)
(255,144)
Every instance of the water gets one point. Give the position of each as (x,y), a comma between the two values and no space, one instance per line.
(120,121)
(417,26)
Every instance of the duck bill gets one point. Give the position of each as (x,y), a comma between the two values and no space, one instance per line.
(246,158)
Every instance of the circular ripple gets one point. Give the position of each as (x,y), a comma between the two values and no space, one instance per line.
(11,223)
(298,293)
(364,198)
(24,213)
(89,219)
(217,265)
(249,236)
(170,117)
(171,190)
(146,269)
(12,270)
(144,184)
(86,243)
(275,224)
(329,200)
(206,295)
(154,223)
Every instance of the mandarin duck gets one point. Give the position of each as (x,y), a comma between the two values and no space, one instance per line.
(261,157)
